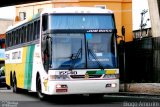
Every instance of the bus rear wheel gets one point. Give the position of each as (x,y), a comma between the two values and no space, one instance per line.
(14,83)
(39,89)
(8,87)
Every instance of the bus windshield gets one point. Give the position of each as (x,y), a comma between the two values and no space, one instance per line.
(79,21)
(83,51)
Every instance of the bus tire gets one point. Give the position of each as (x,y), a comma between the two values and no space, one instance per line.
(14,83)
(8,87)
(39,89)
(11,80)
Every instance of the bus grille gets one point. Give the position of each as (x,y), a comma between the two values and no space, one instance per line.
(83,76)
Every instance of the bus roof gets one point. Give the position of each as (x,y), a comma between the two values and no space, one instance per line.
(82,10)
(76,10)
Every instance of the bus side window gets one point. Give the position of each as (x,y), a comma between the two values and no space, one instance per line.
(13,38)
(16,39)
(28,34)
(9,40)
(35,30)
(6,40)
(18,35)
(25,34)
(31,32)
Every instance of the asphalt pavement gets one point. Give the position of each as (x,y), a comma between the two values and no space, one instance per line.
(30,99)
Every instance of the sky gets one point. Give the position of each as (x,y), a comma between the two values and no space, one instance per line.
(137,7)
(7,12)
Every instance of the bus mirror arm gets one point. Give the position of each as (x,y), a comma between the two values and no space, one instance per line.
(115,31)
(119,36)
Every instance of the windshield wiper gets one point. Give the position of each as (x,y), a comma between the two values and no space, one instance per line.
(75,57)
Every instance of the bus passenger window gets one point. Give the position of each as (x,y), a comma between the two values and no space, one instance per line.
(24,31)
(31,32)
(35,30)
(28,30)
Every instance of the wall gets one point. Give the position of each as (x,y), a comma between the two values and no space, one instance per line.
(5,25)
(155,19)
(31,8)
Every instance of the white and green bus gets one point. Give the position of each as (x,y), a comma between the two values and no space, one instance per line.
(71,50)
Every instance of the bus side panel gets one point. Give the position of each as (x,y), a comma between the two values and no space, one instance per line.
(7,73)
(20,70)
(37,67)
(22,66)
(29,66)
(15,63)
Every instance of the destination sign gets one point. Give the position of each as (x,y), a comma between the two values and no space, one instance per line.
(100,30)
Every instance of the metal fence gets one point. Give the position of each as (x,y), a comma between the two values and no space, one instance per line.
(142,60)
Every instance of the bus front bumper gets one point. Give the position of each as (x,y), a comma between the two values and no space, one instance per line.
(81,87)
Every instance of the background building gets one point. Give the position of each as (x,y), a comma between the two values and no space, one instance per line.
(141,19)
(121,8)
(3,28)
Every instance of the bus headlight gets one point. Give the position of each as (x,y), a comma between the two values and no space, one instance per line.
(113,85)
(59,77)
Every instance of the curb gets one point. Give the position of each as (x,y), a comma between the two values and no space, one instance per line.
(135,94)
(141,88)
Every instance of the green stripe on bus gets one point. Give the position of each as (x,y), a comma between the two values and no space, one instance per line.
(29,67)
(91,72)
(100,72)
(96,72)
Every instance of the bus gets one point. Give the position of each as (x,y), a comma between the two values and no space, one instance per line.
(64,51)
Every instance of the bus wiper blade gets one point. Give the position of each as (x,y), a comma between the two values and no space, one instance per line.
(75,57)
(96,59)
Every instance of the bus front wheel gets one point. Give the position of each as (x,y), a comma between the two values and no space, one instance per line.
(39,89)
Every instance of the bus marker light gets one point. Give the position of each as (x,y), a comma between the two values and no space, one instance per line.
(58,86)
(61,86)
(45,84)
